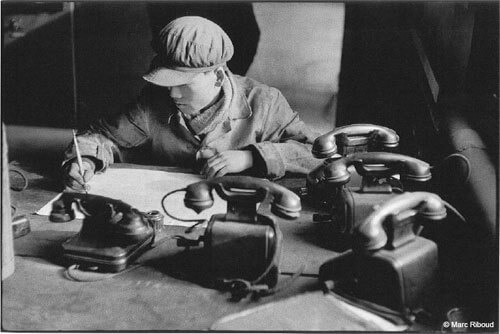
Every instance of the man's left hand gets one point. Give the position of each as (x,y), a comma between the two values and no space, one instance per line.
(227,162)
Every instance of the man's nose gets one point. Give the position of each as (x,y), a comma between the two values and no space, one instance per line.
(175,92)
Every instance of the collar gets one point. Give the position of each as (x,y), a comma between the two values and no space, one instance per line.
(238,107)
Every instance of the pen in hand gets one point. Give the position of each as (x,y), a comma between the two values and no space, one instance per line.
(80,162)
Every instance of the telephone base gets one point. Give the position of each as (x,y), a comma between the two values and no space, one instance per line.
(99,254)
(401,279)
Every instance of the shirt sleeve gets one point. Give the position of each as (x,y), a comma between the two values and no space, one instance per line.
(107,137)
(286,141)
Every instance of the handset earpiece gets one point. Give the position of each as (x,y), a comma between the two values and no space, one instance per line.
(333,172)
(370,235)
(285,204)
(325,146)
(199,196)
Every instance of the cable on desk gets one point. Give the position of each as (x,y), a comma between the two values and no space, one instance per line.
(74,274)
(196,221)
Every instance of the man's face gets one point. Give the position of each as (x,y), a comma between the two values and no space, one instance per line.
(192,97)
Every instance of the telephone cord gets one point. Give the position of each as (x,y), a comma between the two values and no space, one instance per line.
(198,221)
(454,210)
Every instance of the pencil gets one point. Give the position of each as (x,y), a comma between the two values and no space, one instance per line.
(79,160)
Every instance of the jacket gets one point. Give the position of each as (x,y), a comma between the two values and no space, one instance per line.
(151,131)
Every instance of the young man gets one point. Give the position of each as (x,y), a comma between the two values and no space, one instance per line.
(195,113)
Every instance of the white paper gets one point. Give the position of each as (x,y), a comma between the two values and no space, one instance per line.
(143,189)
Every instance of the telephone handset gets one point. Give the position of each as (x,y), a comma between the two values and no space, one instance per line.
(242,193)
(243,247)
(355,138)
(371,235)
(105,217)
(113,233)
(373,164)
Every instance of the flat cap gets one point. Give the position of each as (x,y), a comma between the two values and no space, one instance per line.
(188,46)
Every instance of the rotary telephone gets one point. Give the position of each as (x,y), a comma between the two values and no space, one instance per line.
(113,233)
(349,206)
(389,264)
(243,247)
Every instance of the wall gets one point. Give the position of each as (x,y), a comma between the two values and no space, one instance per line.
(36,72)
(113,52)
(299,52)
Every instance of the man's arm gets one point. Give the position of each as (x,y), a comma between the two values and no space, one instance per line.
(286,142)
(103,141)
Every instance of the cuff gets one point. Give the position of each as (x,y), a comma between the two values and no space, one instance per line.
(267,161)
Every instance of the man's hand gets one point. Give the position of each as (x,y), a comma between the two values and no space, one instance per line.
(227,162)
(74,178)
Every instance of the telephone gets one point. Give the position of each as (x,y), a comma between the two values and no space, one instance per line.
(348,206)
(371,235)
(390,265)
(346,140)
(112,235)
(378,165)
(243,246)
(353,138)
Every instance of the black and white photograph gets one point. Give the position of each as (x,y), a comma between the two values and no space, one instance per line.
(239,166)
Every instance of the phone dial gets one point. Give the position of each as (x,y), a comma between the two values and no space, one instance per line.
(242,245)
(112,235)
(353,138)
(389,264)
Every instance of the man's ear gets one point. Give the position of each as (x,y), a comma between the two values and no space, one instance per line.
(221,76)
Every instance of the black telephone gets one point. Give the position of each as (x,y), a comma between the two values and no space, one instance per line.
(243,246)
(346,140)
(378,165)
(390,264)
(112,235)
(371,235)
(353,138)
(350,205)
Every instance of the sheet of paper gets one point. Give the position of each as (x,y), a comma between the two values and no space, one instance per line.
(143,189)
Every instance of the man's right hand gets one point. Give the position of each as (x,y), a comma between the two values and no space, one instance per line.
(74,179)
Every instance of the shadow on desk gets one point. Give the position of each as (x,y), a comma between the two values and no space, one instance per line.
(43,244)
(187,265)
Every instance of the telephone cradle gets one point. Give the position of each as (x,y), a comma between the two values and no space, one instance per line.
(112,236)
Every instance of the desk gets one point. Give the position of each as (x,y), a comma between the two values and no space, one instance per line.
(37,297)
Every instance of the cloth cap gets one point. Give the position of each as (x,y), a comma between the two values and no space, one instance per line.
(188,46)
